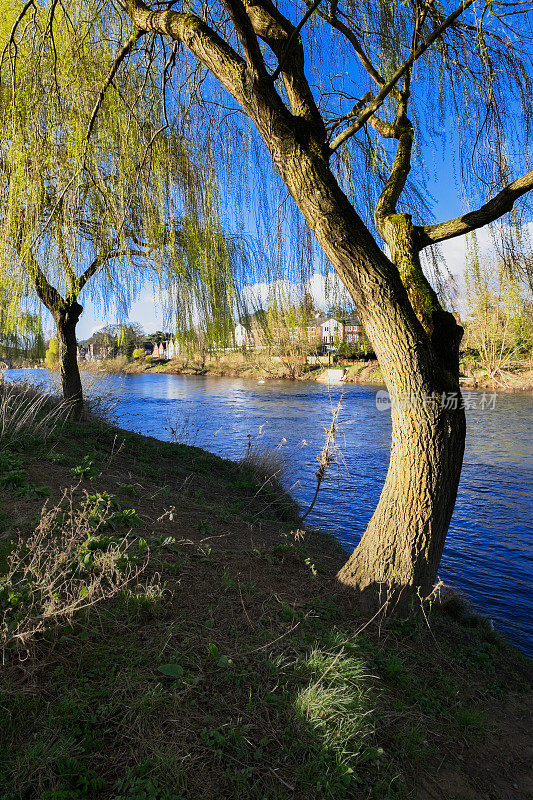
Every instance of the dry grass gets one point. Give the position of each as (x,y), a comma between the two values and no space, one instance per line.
(67,564)
(268,464)
(100,397)
(25,409)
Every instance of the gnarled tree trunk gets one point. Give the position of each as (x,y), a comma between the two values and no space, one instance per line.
(399,554)
(66,320)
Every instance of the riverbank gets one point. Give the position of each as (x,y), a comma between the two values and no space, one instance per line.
(227,663)
(237,365)
(518,379)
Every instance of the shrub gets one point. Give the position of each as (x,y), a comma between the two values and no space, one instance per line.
(138,353)
(52,355)
(116,364)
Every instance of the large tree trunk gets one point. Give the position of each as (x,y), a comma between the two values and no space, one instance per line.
(399,554)
(66,321)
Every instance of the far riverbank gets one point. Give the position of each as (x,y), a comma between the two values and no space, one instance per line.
(519,378)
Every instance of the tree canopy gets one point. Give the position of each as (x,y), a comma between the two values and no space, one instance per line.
(100,194)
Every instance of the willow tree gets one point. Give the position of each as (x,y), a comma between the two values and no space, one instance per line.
(99,195)
(317,82)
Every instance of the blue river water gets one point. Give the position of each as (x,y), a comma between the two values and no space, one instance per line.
(488,555)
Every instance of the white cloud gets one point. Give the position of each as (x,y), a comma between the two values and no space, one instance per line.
(146,310)
(325,291)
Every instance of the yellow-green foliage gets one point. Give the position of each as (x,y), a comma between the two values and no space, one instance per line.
(138,353)
(52,355)
(74,188)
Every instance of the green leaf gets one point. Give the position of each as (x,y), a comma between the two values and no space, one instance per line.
(171,670)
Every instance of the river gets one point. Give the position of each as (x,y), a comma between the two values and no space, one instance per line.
(488,555)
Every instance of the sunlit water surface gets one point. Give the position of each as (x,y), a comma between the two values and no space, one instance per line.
(489,549)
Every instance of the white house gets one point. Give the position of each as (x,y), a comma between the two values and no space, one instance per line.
(331,331)
(172,350)
(243,336)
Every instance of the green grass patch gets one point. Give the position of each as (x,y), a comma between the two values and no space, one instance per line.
(231,666)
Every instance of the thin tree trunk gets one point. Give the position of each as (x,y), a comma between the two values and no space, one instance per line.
(66,321)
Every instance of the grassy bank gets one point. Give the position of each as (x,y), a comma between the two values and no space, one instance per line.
(213,654)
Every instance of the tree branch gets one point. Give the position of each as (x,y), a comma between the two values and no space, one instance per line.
(489,212)
(246,35)
(210,49)
(292,37)
(277,31)
(94,266)
(121,55)
(47,293)
(391,84)
(402,130)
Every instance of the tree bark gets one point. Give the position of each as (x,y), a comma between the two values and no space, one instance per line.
(66,320)
(398,557)
(399,554)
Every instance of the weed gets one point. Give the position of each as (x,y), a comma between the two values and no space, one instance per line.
(204,527)
(470,720)
(86,469)
(63,566)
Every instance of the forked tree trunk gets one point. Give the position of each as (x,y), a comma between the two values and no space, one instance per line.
(66,321)
(399,554)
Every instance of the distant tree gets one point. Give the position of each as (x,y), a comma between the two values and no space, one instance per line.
(118,339)
(22,339)
(96,196)
(158,337)
(499,325)
(308,306)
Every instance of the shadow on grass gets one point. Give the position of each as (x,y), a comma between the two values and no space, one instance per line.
(237,668)
(240,683)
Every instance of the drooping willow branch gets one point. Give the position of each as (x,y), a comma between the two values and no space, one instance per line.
(386,90)
(121,55)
